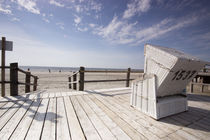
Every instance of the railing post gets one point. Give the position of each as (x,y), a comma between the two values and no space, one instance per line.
(74,80)
(81,78)
(69,82)
(28,82)
(128,77)
(3,66)
(191,87)
(35,84)
(14,79)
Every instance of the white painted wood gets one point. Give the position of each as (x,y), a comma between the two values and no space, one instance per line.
(50,121)
(6,107)
(127,128)
(35,129)
(128,118)
(87,126)
(11,111)
(113,127)
(62,124)
(22,128)
(100,126)
(13,122)
(75,128)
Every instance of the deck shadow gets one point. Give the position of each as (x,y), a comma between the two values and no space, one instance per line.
(194,118)
(106,94)
(197,97)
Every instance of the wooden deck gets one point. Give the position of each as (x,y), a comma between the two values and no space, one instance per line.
(97,115)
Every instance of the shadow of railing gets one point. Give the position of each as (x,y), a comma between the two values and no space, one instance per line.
(28,104)
(195,118)
(197,97)
(106,93)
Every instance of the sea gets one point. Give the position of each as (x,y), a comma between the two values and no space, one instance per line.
(65,69)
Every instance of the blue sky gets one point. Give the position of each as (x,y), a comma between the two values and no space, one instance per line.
(102,33)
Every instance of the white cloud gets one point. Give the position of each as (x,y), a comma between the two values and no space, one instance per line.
(29,5)
(136,7)
(5,10)
(82,29)
(46,20)
(77,20)
(15,19)
(119,31)
(53,2)
(95,6)
(92,25)
(60,25)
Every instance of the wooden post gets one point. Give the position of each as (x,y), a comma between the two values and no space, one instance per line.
(69,82)
(28,82)
(35,84)
(202,88)
(14,79)
(74,80)
(191,87)
(3,67)
(128,77)
(81,78)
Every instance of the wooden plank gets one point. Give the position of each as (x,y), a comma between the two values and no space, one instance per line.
(50,121)
(74,125)
(162,124)
(45,95)
(5,108)
(100,126)
(197,131)
(52,95)
(22,128)
(128,117)
(113,127)
(13,122)
(87,126)
(35,129)
(186,135)
(127,128)
(62,123)
(11,111)
(2,104)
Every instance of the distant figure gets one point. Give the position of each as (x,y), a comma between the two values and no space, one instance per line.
(59,70)
(49,70)
(28,69)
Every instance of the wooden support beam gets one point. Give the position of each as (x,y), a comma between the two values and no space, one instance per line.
(14,79)
(128,77)
(75,79)
(35,84)
(27,81)
(81,79)
(3,66)
(69,82)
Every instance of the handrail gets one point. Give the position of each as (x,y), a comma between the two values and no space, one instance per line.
(74,73)
(110,71)
(6,67)
(26,72)
(14,80)
(73,78)
(113,80)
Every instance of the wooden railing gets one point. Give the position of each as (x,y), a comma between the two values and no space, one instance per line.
(73,78)
(14,80)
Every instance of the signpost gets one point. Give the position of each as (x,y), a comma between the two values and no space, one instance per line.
(4,46)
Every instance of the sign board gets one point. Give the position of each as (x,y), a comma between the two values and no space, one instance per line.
(9,45)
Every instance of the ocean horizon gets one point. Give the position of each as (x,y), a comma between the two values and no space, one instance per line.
(66,69)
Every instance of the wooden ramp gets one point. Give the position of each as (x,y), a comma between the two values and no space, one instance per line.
(96,115)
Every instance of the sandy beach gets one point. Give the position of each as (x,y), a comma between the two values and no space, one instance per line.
(58,81)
